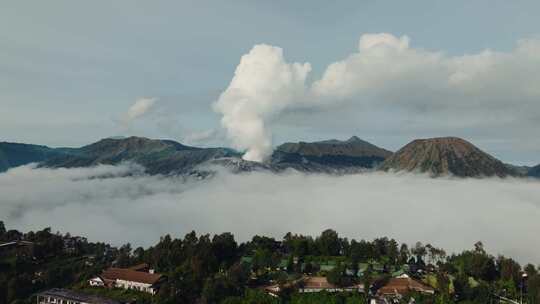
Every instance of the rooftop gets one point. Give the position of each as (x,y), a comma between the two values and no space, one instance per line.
(76,296)
(318,283)
(322,283)
(403,285)
(130,275)
(18,243)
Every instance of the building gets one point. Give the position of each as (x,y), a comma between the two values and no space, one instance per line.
(18,248)
(66,296)
(403,285)
(318,284)
(138,277)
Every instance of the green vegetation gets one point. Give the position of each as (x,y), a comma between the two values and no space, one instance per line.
(121,295)
(328,298)
(216,269)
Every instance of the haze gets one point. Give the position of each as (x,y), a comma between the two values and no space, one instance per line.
(447,212)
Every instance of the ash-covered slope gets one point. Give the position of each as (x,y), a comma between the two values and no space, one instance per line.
(446,156)
(329,155)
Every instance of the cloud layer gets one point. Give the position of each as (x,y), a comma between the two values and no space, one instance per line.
(452,213)
(387,84)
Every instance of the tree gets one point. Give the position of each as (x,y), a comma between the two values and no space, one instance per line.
(419,251)
(483,267)
(262,259)
(12,235)
(329,243)
(224,248)
(403,254)
(184,285)
(509,269)
(435,255)
(393,252)
(367,280)
(381,247)
(238,274)
(533,289)
(337,276)
(530,270)
(290,263)
(2,230)
(344,247)
(138,254)
(462,288)
(18,287)
(252,297)
(215,290)
(443,284)
(430,253)
(3,289)
(360,251)
(479,248)
(124,256)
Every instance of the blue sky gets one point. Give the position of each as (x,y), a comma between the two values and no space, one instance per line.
(70,70)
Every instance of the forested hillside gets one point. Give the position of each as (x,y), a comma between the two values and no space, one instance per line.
(218,269)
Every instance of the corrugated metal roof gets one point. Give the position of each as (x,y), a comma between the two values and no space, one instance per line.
(72,295)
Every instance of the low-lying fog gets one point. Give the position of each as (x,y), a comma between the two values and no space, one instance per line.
(124,207)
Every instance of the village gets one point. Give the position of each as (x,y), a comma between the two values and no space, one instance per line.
(49,268)
(144,279)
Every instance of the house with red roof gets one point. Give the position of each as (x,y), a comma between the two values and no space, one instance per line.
(403,285)
(138,277)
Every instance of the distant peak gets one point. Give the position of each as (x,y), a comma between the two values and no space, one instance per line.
(123,138)
(353,147)
(353,139)
(445,139)
(446,156)
(116,137)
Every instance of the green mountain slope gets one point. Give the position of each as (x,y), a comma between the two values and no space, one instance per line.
(157,156)
(351,153)
(534,171)
(15,154)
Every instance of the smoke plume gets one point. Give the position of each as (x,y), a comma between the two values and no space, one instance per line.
(263,85)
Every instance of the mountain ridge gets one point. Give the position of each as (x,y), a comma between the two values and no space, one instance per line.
(157,156)
(436,156)
(347,155)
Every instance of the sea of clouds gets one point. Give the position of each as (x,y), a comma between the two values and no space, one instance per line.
(120,204)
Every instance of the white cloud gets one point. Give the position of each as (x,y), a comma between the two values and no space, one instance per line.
(140,108)
(386,70)
(389,87)
(450,213)
(383,64)
(263,85)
